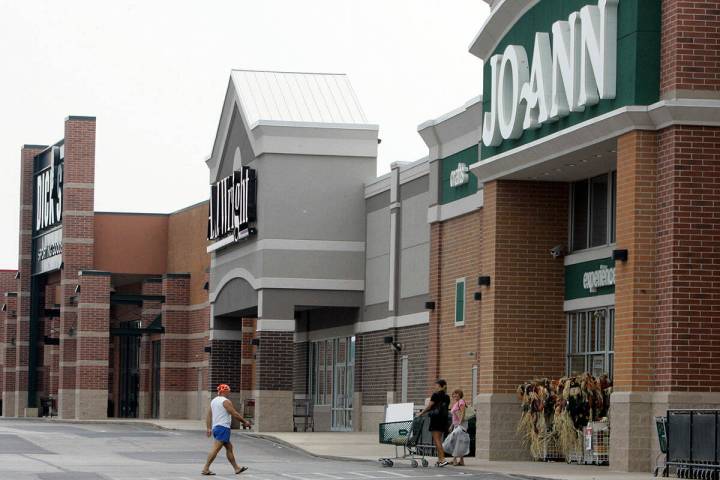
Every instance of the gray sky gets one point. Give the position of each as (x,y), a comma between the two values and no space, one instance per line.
(154,74)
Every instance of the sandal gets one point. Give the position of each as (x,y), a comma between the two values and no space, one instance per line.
(242,469)
(208,473)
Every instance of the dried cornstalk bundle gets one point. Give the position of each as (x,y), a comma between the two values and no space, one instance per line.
(557,411)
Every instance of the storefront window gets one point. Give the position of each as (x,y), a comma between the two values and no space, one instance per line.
(593,212)
(590,342)
(460,302)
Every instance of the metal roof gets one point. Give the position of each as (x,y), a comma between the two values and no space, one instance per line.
(297,97)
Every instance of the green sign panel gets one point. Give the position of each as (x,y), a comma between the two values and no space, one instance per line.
(451,175)
(589,279)
(571,40)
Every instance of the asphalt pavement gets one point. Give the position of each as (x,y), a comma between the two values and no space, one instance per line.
(36,450)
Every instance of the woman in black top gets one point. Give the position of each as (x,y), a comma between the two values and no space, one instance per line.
(437,410)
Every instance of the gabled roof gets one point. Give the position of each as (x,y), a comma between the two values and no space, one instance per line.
(297,97)
(294,113)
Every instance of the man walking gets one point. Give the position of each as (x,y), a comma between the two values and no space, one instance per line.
(218,421)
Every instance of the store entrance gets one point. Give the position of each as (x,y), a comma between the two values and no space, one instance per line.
(129,374)
(332,377)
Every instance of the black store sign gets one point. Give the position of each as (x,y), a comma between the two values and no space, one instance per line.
(233,205)
(47,210)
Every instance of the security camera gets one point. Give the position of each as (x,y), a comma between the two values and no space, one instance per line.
(558,251)
(396,346)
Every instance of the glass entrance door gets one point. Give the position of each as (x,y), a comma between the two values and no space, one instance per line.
(332,376)
(342,398)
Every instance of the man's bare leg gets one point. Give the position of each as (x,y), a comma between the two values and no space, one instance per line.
(217,446)
(231,456)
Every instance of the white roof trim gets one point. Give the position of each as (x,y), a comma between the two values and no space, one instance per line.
(657,116)
(501,19)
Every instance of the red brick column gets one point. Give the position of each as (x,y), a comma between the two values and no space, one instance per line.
(274,381)
(689,50)
(23,283)
(522,319)
(78,245)
(175,384)
(93,342)
(635,300)
(9,319)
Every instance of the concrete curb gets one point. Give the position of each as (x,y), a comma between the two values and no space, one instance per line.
(86,422)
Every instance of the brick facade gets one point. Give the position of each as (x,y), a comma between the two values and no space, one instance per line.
(455,253)
(690,47)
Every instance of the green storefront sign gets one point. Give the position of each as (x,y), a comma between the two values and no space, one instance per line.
(567,36)
(448,165)
(590,279)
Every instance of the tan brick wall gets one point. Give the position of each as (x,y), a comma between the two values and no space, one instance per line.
(635,280)
(455,252)
(523,324)
(690,48)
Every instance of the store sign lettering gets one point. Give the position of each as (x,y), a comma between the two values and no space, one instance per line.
(577,71)
(603,277)
(232,205)
(49,251)
(48,196)
(459,176)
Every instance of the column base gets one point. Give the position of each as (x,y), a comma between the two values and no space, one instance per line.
(20,403)
(66,403)
(273,410)
(634,446)
(497,418)
(8,408)
(91,404)
(372,417)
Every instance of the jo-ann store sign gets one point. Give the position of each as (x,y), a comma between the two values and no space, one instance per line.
(565,62)
(589,279)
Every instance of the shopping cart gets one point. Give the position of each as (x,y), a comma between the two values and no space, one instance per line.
(412,436)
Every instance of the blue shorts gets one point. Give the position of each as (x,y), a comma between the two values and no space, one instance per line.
(221,434)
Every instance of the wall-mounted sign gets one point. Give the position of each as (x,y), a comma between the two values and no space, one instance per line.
(47,246)
(575,72)
(233,205)
(48,195)
(590,279)
(602,277)
(47,251)
(460,176)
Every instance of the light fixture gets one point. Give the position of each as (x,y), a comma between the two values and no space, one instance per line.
(17,274)
(620,254)
(207,349)
(4,307)
(484,280)
(429,305)
(71,332)
(77,288)
(12,341)
(206,286)
(477,296)
(255,341)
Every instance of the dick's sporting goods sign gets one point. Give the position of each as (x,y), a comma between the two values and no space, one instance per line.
(565,62)
(47,210)
(232,206)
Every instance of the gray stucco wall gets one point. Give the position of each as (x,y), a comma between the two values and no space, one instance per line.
(414,253)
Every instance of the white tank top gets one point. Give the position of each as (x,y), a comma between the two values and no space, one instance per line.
(220,416)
